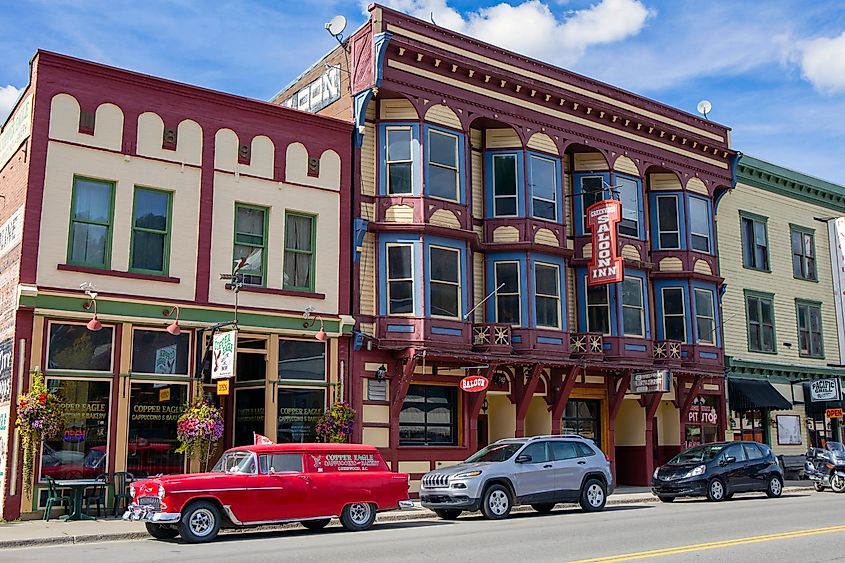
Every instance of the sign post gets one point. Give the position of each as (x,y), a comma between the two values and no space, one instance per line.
(606,264)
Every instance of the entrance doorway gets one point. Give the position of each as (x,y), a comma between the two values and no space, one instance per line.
(583,416)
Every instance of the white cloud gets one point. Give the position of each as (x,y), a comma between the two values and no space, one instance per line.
(531,28)
(822,63)
(8,96)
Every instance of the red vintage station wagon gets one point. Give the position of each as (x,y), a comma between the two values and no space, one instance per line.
(252,485)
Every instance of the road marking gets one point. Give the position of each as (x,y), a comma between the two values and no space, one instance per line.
(711,545)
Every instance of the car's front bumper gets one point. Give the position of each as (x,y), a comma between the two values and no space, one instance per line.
(696,487)
(149,514)
(442,500)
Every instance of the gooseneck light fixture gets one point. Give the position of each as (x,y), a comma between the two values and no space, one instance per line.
(310,321)
(173,328)
(94,324)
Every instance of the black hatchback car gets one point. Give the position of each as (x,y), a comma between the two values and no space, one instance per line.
(719,470)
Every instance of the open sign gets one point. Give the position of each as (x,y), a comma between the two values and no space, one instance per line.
(474,383)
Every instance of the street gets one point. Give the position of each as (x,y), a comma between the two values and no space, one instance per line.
(802,526)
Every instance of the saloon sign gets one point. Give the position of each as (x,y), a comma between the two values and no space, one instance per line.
(474,383)
(606,264)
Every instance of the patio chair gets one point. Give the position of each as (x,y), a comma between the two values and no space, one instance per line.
(97,495)
(121,480)
(55,496)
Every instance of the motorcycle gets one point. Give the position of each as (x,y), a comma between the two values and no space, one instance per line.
(826,470)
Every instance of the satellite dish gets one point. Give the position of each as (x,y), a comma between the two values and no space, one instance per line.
(704,107)
(337,25)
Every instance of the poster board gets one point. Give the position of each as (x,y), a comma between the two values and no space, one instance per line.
(789,429)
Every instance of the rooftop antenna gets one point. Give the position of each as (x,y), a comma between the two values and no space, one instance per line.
(431,17)
(704,107)
(336,27)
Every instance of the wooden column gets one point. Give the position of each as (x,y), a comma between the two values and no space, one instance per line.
(616,394)
(523,400)
(399,384)
(567,384)
(473,407)
(651,402)
(685,399)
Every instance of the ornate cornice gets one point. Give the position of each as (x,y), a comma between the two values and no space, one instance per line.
(789,183)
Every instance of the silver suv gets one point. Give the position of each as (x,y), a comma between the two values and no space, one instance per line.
(540,471)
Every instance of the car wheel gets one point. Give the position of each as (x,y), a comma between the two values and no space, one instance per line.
(316,524)
(593,496)
(716,490)
(448,513)
(496,503)
(358,516)
(543,508)
(662,498)
(200,522)
(161,531)
(775,487)
(837,484)
(818,486)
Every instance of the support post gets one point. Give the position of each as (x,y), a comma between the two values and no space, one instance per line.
(473,407)
(651,402)
(524,399)
(687,402)
(562,397)
(617,389)
(398,389)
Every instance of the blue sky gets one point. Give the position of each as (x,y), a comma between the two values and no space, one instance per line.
(774,70)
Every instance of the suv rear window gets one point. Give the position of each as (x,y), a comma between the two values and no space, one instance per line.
(563,450)
(584,450)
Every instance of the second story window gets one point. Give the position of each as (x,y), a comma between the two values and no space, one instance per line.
(810,329)
(547,295)
(543,181)
(505,187)
(91,217)
(150,231)
(399,160)
(803,254)
(755,243)
(633,317)
(699,224)
(629,195)
(442,171)
(598,309)
(445,281)
(761,324)
(251,242)
(705,316)
(592,191)
(400,279)
(668,225)
(299,252)
(508,306)
(674,314)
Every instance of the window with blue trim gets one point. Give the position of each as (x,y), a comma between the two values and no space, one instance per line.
(705,316)
(700,224)
(400,279)
(633,308)
(399,160)
(598,309)
(443,170)
(594,187)
(629,195)
(543,180)
(445,281)
(674,314)
(547,295)
(668,222)
(508,300)
(505,185)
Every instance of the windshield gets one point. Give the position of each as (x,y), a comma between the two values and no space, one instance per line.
(235,462)
(494,452)
(836,447)
(697,454)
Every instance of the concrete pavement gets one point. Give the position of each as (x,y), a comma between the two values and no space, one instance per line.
(802,526)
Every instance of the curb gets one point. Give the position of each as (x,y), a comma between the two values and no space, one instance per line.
(397,516)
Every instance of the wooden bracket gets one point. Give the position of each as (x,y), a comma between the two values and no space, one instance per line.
(618,396)
(400,385)
(562,396)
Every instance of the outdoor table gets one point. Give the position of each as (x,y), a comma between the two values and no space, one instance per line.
(78,486)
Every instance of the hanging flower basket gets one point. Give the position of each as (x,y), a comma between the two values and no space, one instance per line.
(39,417)
(200,426)
(335,425)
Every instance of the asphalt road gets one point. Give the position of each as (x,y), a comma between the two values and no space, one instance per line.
(801,527)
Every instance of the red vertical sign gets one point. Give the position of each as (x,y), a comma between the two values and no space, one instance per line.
(606,264)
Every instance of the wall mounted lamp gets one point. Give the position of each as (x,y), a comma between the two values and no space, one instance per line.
(381,373)
(173,328)
(310,322)
(94,324)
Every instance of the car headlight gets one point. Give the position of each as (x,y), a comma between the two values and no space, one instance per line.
(161,491)
(467,475)
(132,491)
(695,472)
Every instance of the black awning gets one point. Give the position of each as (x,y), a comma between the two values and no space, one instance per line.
(749,394)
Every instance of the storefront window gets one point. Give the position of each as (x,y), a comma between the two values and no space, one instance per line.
(74,347)
(302,360)
(429,416)
(583,416)
(158,351)
(299,411)
(750,425)
(154,409)
(81,449)
(249,415)
(702,424)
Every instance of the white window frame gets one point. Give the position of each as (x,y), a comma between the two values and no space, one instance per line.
(692,233)
(661,230)
(554,180)
(711,317)
(389,280)
(515,195)
(457,284)
(683,314)
(499,292)
(388,162)
(537,294)
(605,306)
(641,308)
(456,169)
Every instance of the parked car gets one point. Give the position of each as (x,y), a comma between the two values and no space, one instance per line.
(719,470)
(540,471)
(252,485)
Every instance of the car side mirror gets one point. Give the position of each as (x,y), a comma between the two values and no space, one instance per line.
(523,458)
(730,459)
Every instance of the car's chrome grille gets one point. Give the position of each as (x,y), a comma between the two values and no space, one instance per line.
(435,481)
(153,502)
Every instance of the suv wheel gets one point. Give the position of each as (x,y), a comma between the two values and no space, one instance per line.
(543,508)
(496,503)
(448,513)
(593,495)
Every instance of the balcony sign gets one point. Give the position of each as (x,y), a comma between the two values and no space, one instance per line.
(658,381)
(474,383)
(606,264)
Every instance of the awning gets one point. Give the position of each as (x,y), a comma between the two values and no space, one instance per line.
(750,394)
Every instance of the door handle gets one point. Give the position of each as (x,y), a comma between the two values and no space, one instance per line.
(547,466)
(582,462)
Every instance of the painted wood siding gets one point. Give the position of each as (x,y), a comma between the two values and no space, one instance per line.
(367,277)
(781,211)
(368,160)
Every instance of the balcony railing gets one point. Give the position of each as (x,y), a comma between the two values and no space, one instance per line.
(667,351)
(586,344)
(491,336)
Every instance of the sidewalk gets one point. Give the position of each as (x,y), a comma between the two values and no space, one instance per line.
(37,532)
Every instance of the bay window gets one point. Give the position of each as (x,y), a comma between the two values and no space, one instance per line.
(699,224)
(668,224)
(445,281)
(598,309)
(508,302)
(629,196)
(592,191)
(543,181)
(633,315)
(705,316)
(442,179)
(400,279)
(674,314)
(547,295)
(505,185)
(399,160)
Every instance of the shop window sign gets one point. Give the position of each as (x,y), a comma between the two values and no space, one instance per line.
(75,348)
(80,451)
(249,415)
(299,411)
(152,429)
(159,352)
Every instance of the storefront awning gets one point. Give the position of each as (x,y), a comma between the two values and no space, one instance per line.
(749,394)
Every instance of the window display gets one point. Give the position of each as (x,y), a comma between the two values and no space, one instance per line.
(154,409)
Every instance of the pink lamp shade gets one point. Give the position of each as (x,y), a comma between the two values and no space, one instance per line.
(173,328)
(94,324)
(321,335)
